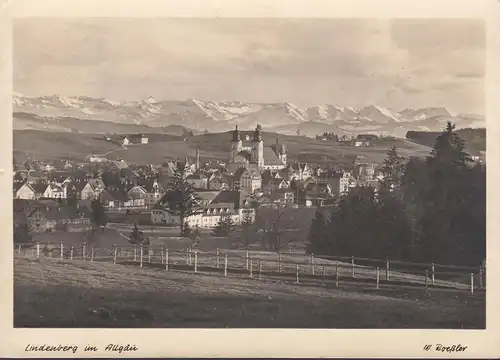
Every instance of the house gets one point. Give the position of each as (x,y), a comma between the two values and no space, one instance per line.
(198,181)
(137,198)
(125,141)
(113,199)
(54,191)
(137,139)
(362,143)
(274,184)
(115,167)
(215,183)
(62,217)
(154,192)
(213,205)
(339,182)
(283,196)
(297,171)
(31,191)
(37,176)
(92,189)
(247,180)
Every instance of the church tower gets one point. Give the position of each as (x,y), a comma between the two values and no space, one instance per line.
(258,147)
(236,145)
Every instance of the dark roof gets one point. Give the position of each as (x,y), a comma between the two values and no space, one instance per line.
(270,157)
(65,212)
(230,196)
(112,195)
(39,188)
(245,154)
(238,173)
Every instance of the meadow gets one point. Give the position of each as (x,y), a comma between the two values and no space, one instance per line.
(51,145)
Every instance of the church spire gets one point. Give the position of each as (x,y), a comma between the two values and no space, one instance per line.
(257,134)
(236,134)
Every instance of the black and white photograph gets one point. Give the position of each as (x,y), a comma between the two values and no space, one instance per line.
(249,173)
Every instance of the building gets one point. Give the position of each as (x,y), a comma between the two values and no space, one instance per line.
(62,218)
(137,139)
(54,191)
(198,181)
(274,184)
(253,155)
(92,189)
(231,203)
(137,198)
(31,191)
(247,180)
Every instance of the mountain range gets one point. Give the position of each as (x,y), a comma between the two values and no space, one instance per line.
(54,113)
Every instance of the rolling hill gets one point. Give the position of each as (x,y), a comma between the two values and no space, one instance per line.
(49,145)
(282,117)
(475,139)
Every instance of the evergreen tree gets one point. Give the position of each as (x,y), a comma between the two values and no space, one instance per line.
(317,241)
(246,227)
(98,214)
(392,169)
(224,226)
(447,201)
(137,237)
(180,198)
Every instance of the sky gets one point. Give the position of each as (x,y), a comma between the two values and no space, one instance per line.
(399,63)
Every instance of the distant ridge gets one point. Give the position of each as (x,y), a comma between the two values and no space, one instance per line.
(212,116)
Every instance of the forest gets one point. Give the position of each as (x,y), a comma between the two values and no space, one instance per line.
(426,210)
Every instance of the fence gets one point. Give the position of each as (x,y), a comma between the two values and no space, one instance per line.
(299,268)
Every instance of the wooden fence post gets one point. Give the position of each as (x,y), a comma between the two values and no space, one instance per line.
(115,251)
(480,277)
(312,263)
(260,269)
(247,258)
(279,262)
(378,276)
(337,275)
(37,250)
(218,253)
(71,253)
(187,256)
(62,251)
(433,272)
(84,252)
(196,261)
(297,271)
(166,259)
(92,254)
(352,262)
(387,270)
(161,249)
(19,249)
(149,254)
(472,283)
(225,265)
(426,276)
(142,255)
(290,249)
(135,253)
(251,268)
(190,255)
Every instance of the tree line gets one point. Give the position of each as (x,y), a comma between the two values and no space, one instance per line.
(429,209)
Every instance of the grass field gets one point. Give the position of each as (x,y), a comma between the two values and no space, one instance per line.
(47,145)
(54,293)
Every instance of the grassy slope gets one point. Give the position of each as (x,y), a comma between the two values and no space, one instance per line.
(53,293)
(61,145)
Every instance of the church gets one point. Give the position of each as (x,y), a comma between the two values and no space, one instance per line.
(253,155)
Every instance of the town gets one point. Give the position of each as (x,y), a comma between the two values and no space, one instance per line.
(57,196)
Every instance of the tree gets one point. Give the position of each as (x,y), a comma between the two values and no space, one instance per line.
(98,214)
(180,198)
(195,236)
(224,226)
(137,237)
(22,234)
(392,169)
(317,241)
(246,227)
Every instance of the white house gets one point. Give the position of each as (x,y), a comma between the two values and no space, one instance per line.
(54,191)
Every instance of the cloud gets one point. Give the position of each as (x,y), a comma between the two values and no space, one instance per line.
(308,61)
